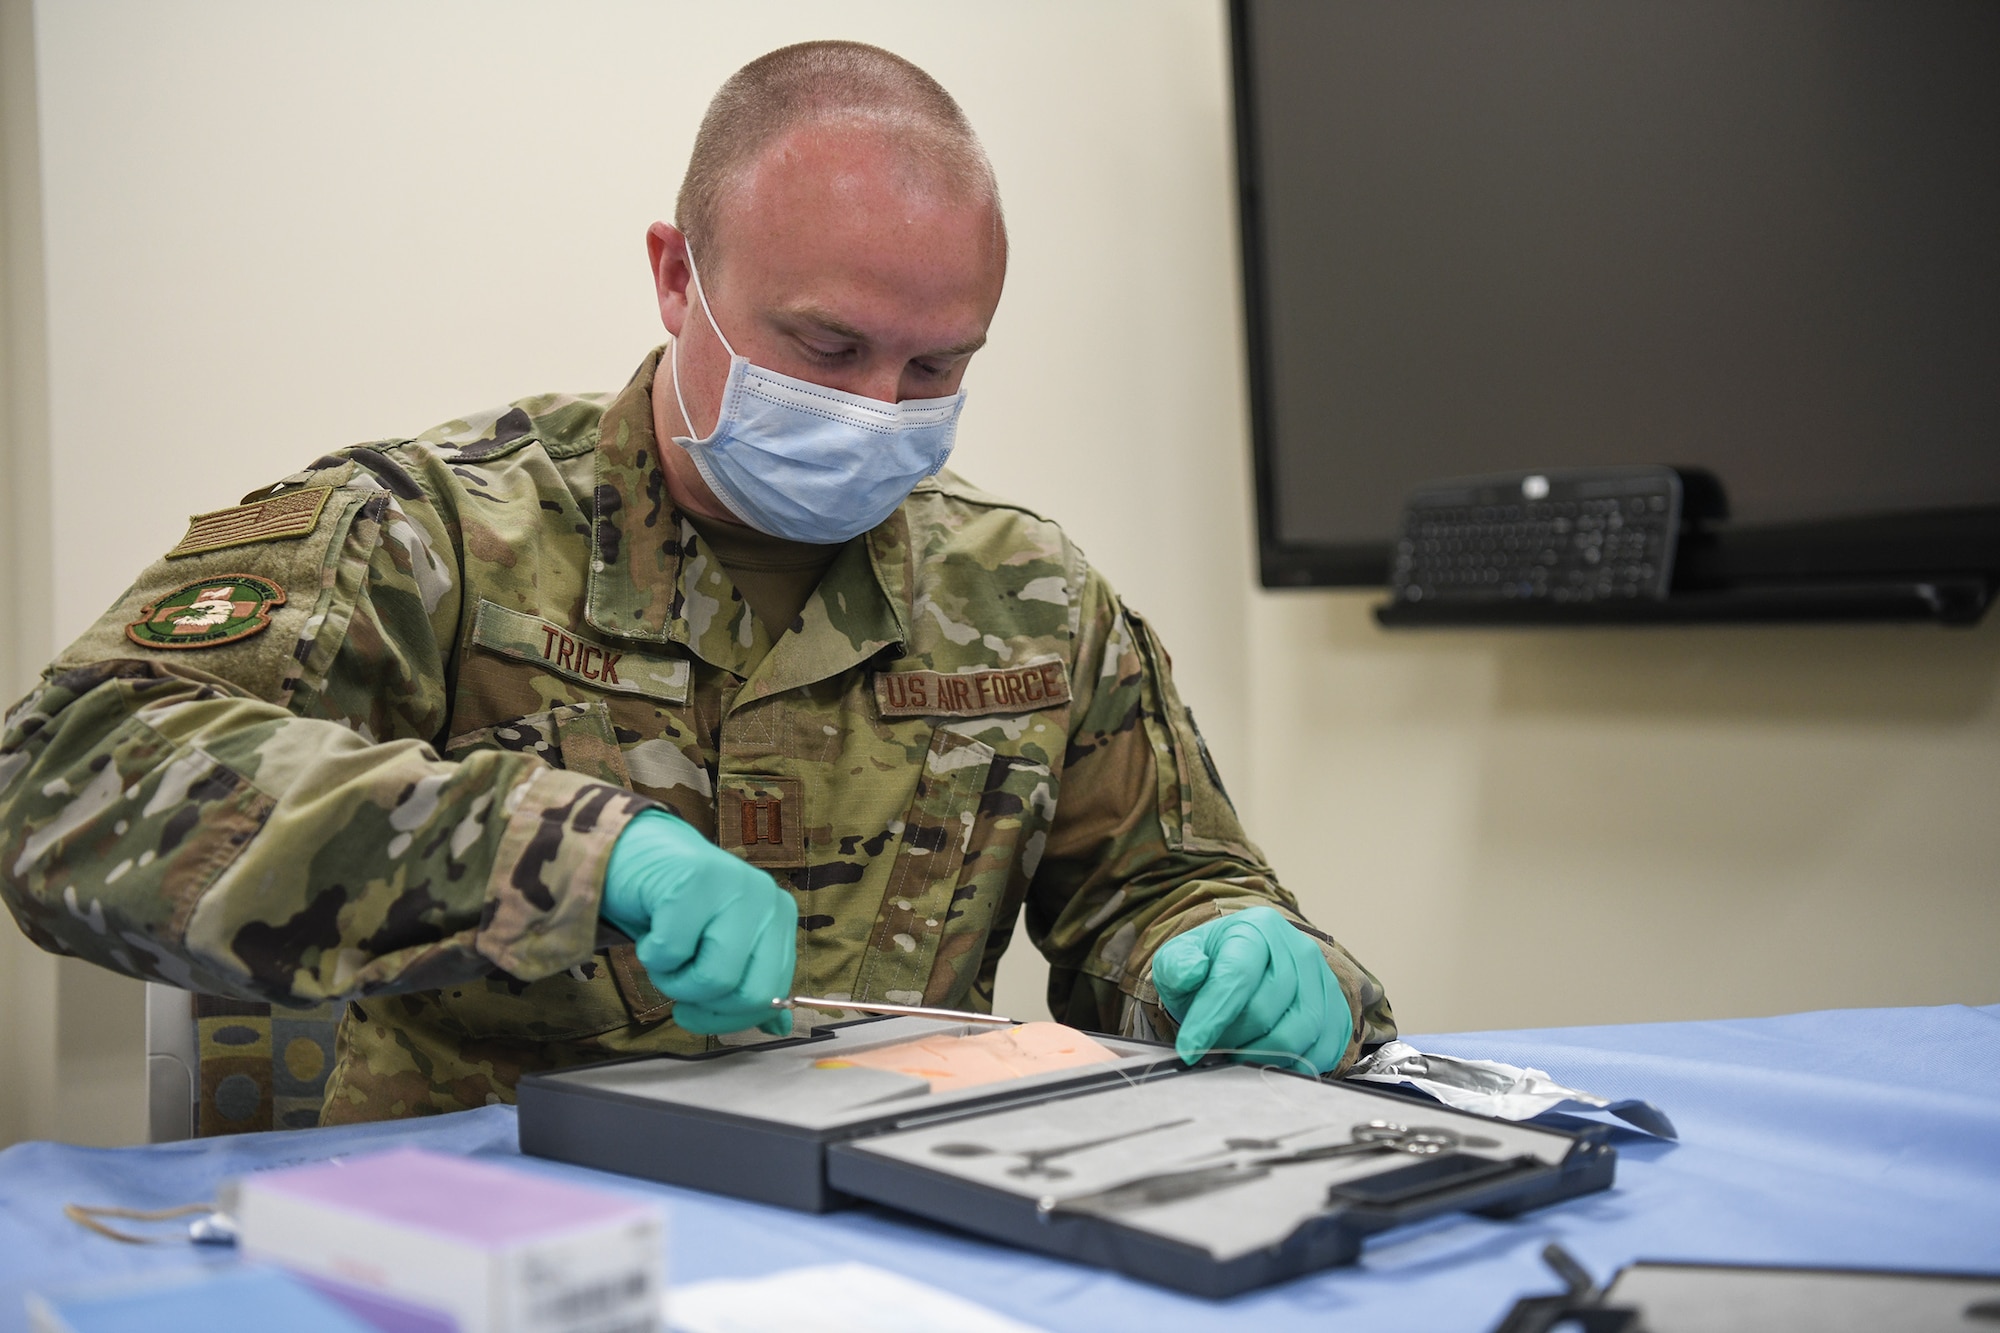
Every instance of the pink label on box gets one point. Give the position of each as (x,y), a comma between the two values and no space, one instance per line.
(491,1207)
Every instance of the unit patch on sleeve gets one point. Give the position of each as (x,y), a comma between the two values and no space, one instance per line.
(279,518)
(207,613)
(1021,689)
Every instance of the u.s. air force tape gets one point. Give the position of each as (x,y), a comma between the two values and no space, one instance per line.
(1021,689)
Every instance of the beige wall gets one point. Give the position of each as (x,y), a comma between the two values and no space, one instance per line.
(1602,826)
(271,230)
(69,1052)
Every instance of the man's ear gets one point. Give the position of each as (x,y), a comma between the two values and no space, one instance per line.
(667,254)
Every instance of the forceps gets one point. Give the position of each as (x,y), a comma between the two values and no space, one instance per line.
(1376,1136)
(1035,1161)
(1265,1144)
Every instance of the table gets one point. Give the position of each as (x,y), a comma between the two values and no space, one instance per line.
(1860,1137)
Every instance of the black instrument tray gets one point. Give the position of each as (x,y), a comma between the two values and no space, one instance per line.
(739,1121)
(1034,1162)
(1653,1296)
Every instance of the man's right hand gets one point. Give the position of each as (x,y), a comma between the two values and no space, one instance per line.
(718,935)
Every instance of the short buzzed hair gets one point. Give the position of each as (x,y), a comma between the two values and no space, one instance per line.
(826,81)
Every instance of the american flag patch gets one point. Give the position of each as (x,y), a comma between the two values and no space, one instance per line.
(278,519)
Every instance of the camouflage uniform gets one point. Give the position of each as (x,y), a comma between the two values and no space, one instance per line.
(498,642)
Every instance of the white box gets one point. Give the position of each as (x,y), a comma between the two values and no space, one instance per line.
(485,1247)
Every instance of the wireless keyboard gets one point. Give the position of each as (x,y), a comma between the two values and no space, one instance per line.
(1559,535)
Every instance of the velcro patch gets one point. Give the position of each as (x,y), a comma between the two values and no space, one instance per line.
(527,638)
(280,518)
(1021,689)
(207,613)
(762,820)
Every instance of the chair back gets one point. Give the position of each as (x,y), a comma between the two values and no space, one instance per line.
(222,1066)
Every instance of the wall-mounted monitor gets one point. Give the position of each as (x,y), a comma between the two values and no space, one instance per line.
(1756,237)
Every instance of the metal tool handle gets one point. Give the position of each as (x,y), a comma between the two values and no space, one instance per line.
(902,1010)
(1162,1187)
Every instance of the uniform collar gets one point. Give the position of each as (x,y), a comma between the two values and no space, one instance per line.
(651,577)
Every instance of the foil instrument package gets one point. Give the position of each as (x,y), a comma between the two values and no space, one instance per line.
(1503,1091)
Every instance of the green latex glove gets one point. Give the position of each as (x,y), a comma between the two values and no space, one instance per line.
(717,935)
(1252,982)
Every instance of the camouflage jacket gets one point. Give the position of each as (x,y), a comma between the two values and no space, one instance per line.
(371,734)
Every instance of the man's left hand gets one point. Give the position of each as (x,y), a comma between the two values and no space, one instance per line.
(1256,987)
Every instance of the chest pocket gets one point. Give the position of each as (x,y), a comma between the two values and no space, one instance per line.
(612,989)
(917,905)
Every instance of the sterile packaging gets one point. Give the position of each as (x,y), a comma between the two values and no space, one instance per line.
(422,1242)
(1489,1087)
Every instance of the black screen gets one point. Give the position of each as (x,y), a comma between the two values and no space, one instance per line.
(1760,237)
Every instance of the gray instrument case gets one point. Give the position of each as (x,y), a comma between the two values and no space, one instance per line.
(1211,1180)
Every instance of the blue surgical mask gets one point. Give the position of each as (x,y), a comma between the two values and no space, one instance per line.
(811,464)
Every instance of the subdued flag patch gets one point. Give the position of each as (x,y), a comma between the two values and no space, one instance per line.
(280,518)
(207,613)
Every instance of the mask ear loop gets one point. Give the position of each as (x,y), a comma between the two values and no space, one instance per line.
(695,273)
(675,353)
